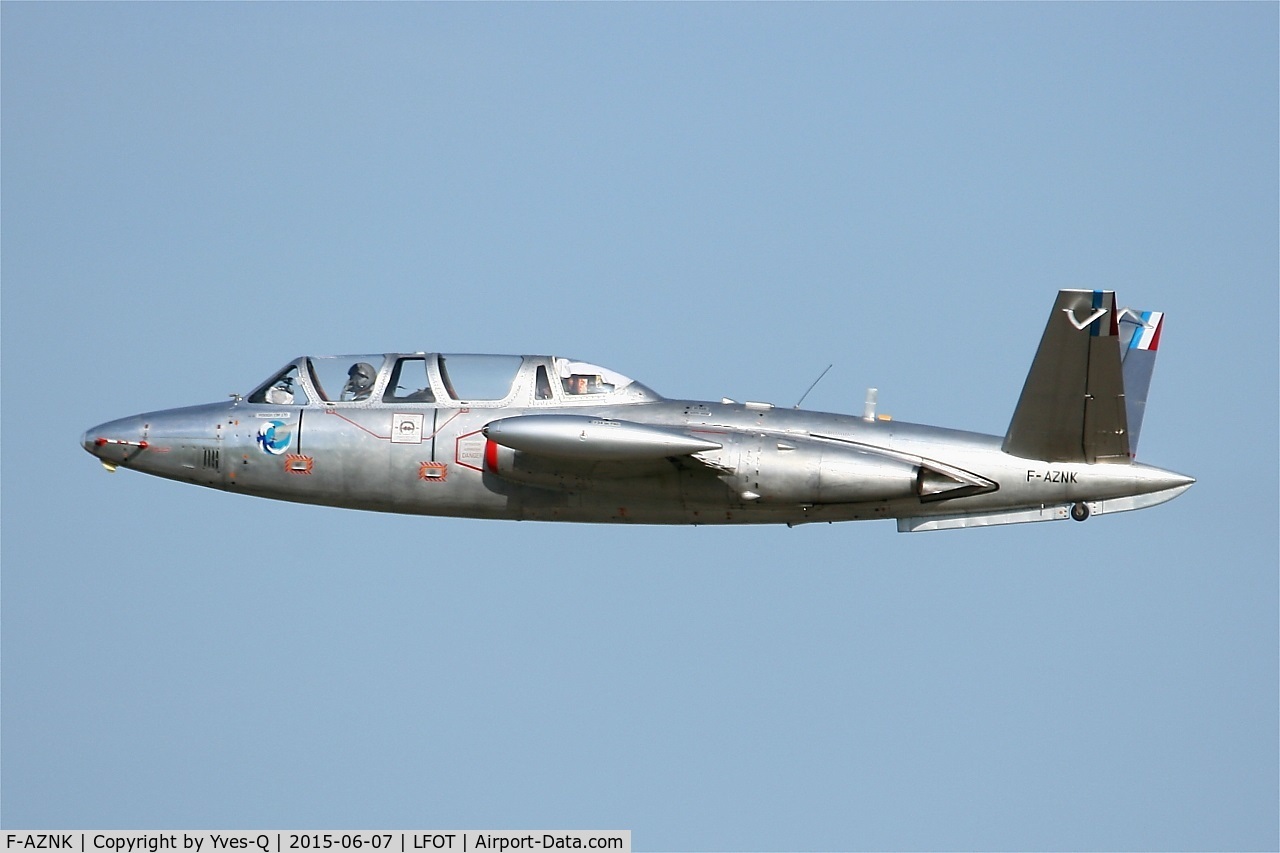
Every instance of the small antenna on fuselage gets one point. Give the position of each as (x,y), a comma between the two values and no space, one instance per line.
(811,387)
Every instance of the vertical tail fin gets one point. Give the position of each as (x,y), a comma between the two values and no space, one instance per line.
(1072,407)
(1139,338)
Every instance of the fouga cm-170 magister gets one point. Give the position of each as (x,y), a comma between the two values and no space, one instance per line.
(554,439)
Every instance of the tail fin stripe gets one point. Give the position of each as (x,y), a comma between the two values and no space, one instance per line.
(1136,341)
(1157,321)
(1147,335)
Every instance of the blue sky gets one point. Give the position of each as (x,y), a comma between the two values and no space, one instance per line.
(717,199)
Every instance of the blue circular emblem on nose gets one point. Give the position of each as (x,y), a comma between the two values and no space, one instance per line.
(275,437)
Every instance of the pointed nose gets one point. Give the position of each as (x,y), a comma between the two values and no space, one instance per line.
(1172,479)
(1158,479)
(115,441)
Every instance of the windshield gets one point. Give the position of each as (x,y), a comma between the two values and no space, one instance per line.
(283,389)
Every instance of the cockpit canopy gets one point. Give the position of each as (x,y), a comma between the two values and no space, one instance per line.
(447,380)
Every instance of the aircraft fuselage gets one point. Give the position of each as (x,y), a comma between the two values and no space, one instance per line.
(554,439)
(775,465)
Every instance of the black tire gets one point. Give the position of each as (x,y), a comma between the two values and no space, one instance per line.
(1080,511)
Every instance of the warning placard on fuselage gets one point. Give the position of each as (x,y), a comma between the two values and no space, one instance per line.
(406,428)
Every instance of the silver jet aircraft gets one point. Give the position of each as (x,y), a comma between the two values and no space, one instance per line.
(554,439)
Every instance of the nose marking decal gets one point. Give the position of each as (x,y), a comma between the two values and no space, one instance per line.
(274,437)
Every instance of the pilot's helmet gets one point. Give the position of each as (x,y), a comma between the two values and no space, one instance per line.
(361,375)
(360,378)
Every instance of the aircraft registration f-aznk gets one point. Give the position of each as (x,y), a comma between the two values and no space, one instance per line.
(553,439)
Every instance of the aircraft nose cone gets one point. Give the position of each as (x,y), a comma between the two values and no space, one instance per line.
(115,441)
(95,438)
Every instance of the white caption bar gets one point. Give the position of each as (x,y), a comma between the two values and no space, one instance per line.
(300,841)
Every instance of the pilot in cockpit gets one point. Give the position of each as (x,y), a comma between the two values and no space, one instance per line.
(360,380)
(586,383)
(281,394)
